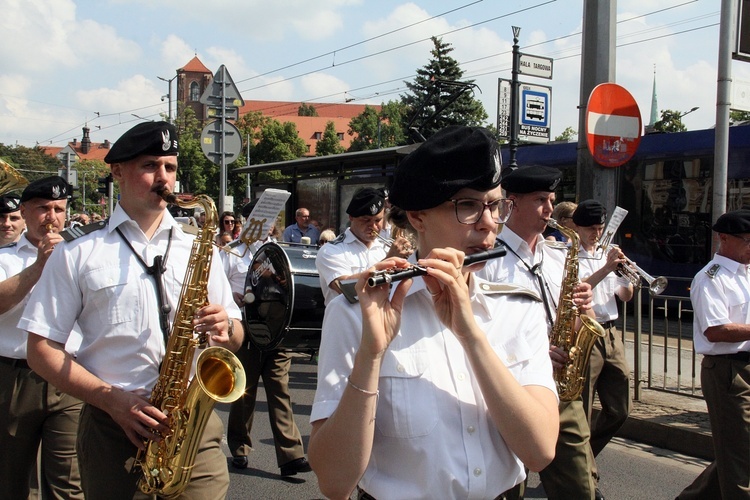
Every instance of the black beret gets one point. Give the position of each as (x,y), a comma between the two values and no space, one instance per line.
(456,157)
(9,203)
(735,222)
(589,213)
(48,188)
(247,209)
(531,179)
(366,201)
(147,138)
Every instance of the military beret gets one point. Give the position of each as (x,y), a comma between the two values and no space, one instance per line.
(147,138)
(735,222)
(9,203)
(589,213)
(48,188)
(366,201)
(531,179)
(454,158)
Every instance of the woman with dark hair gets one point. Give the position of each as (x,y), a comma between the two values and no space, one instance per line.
(226,222)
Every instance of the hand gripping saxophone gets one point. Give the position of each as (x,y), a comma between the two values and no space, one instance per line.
(577,343)
(219,377)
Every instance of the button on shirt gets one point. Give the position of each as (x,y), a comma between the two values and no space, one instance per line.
(723,299)
(434,437)
(98,280)
(344,256)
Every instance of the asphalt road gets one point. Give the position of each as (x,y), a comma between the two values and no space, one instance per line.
(628,470)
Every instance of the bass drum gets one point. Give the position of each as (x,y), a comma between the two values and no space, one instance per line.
(284,305)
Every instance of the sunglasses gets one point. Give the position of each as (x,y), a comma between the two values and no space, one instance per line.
(228,221)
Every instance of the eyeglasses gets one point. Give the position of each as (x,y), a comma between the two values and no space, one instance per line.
(469,211)
(228,221)
(304,216)
(743,238)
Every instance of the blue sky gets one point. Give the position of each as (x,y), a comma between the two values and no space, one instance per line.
(66,63)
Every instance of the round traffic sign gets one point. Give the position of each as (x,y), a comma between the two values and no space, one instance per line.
(613,125)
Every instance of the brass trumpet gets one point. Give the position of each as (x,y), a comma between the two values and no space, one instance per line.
(633,273)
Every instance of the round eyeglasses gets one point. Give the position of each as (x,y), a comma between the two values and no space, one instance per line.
(469,211)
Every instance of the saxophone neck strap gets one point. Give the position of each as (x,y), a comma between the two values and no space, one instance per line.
(536,271)
(157,270)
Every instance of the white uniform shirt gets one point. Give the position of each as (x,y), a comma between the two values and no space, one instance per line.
(434,437)
(723,299)
(511,268)
(99,281)
(344,256)
(14,258)
(604,303)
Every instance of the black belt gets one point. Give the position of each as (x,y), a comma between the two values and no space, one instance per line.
(608,324)
(743,356)
(15,362)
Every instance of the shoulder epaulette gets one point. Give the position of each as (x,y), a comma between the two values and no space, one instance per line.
(187,228)
(76,232)
(509,289)
(9,245)
(338,239)
(235,243)
(557,245)
(711,271)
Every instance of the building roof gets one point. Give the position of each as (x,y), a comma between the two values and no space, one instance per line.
(276,109)
(195,66)
(97,151)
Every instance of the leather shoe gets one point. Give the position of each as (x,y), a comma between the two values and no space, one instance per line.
(239,462)
(598,494)
(295,466)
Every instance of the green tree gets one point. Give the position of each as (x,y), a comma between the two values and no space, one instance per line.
(373,130)
(196,174)
(739,116)
(33,163)
(567,135)
(277,142)
(307,110)
(671,121)
(87,198)
(329,144)
(438,97)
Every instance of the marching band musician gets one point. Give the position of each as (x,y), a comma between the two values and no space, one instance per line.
(31,410)
(609,375)
(415,383)
(11,220)
(359,247)
(721,333)
(534,263)
(124,305)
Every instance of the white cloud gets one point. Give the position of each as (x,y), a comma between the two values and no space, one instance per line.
(318,85)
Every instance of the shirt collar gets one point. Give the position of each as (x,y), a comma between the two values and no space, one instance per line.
(119,217)
(731,265)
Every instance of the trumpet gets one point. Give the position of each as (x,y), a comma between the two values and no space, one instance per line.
(633,273)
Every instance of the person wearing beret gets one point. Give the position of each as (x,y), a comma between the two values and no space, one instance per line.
(533,262)
(441,386)
(32,410)
(11,220)
(721,333)
(302,227)
(609,375)
(360,246)
(121,284)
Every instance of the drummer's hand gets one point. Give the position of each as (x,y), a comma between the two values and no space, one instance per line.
(381,313)
(446,282)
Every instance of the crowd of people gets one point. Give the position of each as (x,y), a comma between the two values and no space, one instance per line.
(415,376)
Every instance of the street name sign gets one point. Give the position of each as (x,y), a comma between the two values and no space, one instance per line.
(538,66)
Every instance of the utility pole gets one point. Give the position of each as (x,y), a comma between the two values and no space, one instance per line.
(169,94)
(513,143)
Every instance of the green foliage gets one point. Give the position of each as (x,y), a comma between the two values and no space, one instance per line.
(671,121)
(278,142)
(373,130)
(196,174)
(89,172)
(307,110)
(329,144)
(433,89)
(567,135)
(739,116)
(33,163)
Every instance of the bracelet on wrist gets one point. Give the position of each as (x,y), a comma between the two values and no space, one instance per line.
(363,391)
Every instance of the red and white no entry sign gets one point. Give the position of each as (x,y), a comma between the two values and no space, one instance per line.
(613,125)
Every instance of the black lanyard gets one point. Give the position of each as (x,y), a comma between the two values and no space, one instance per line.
(536,270)
(156,270)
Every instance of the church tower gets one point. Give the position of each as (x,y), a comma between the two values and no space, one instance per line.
(192,81)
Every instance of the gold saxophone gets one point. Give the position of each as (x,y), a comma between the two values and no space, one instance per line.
(578,344)
(219,377)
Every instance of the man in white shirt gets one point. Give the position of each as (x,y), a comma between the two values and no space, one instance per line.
(122,285)
(33,411)
(441,387)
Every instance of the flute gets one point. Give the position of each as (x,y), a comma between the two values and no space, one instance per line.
(378,278)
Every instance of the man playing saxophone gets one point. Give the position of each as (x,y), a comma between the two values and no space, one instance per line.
(540,265)
(122,283)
